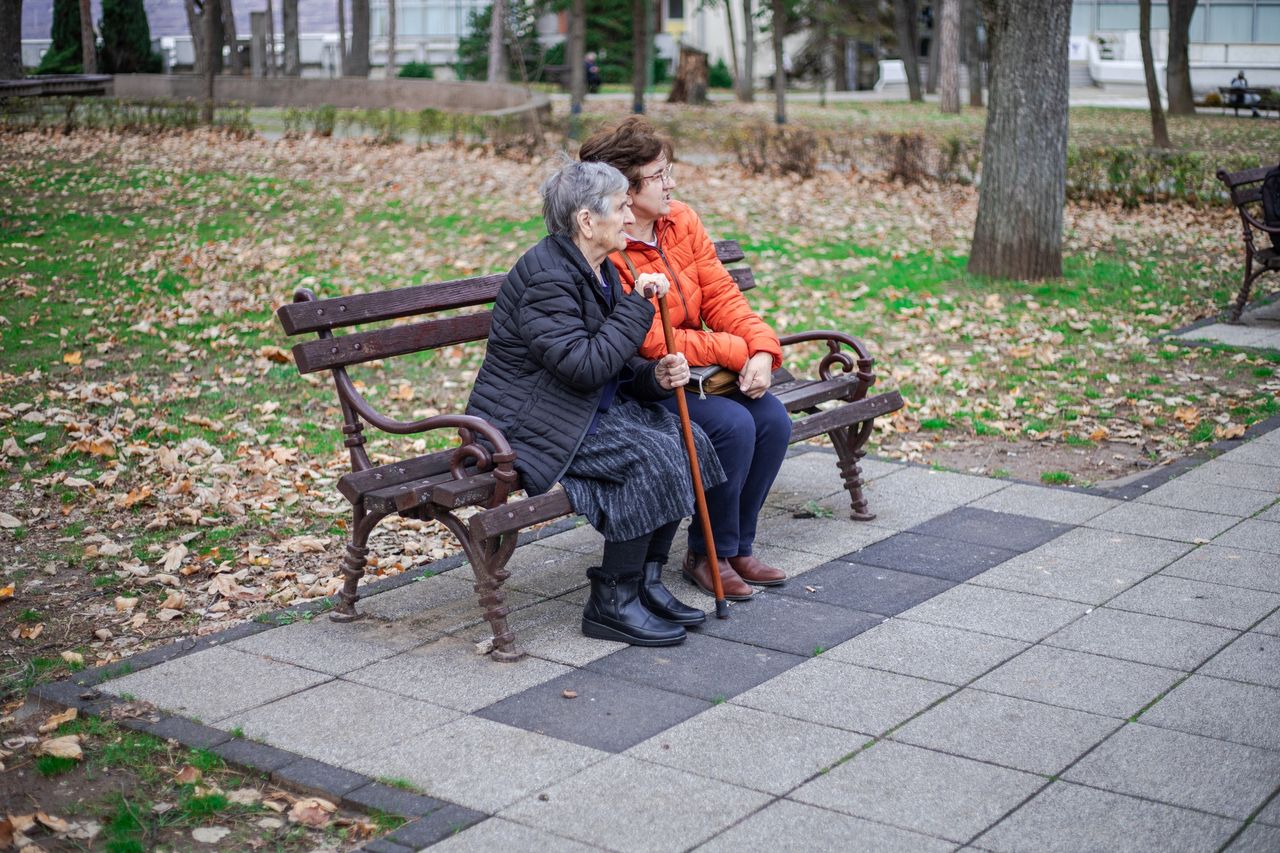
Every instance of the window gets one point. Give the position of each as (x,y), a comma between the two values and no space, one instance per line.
(1231,22)
(1268,25)
(675,9)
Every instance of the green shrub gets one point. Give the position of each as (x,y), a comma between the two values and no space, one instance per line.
(719,76)
(417,69)
(126,39)
(64,56)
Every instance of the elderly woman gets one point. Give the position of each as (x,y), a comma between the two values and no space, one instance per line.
(563,380)
(713,324)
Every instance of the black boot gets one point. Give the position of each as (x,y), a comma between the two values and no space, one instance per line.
(614,612)
(659,599)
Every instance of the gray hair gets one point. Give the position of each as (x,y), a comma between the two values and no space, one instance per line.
(577,186)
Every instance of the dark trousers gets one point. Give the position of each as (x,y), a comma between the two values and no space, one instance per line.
(750,437)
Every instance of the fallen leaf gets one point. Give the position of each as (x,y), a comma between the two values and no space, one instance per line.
(6,592)
(188,775)
(9,522)
(1229,431)
(161,808)
(67,746)
(72,358)
(175,601)
(168,614)
(173,558)
(56,720)
(31,632)
(570,694)
(73,657)
(6,832)
(244,796)
(312,811)
(210,834)
(53,824)
(125,605)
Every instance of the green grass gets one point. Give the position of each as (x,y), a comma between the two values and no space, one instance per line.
(52,765)
(1056,478)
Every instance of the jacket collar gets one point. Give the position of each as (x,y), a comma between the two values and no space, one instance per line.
(573,254)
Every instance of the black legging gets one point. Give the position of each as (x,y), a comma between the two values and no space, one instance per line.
(629,556)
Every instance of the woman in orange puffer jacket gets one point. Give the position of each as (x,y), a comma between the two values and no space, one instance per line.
(713,324)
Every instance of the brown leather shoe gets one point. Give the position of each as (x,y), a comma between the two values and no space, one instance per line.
(754,571)
(735,589)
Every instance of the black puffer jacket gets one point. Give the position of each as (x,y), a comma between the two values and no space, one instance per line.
(553,346)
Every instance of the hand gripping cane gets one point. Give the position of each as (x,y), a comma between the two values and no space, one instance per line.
(722,609)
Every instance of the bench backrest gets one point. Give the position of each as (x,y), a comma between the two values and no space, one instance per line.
(1246,189)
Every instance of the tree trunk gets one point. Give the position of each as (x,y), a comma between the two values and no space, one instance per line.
(904,20)
(639,50)
(577,56)
(949,57)
(1159,133)
(1178,66)
(931,82)
(497,42)
(391,40)
(273,59)
(195,24)
(690,85)
(230,38)
(358,64)
(289,23)
(747,91)
(974,48)
(733,45)
(211,21)
(344,58)
(779,64)
(11,40)
(88,42)
(1018,234)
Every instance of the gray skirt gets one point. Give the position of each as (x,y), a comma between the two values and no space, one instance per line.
(632,475)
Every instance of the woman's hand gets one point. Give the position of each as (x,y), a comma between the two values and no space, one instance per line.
(651,284)
(673,371)
(756,375)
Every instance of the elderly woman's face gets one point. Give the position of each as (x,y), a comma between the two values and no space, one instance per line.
(610,230)
(653,199)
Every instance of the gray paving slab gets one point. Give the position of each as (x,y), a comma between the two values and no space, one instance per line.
(1271,514)
(945,486)
(1192,495)
(437,605)
(996,611)
(922,790)
(584,539)
(1271,812)
(1120,551)
(332,647)
(703,666)
(1181,769)
(338,721)
(789,624)
(934,556)
(1233,566)
(1014,733)
(550,630)
(934,652)
(808,476)
(603,712)
(1253,658)
(1243,713)
(825,537)
(1141,637)
(871,589)
(1223,333)
(1005,530)
(1270,625)
(1085,682)
(895,509)
(448,672)
(1058,505)
(843,695)
(750,748)
(499,834)
(1163,522)
(1257,838)
(1240,475)
(665,808)
(1070,818)
(478,763)
(793,827)
(1255,452)
(1055,576)
(1253,535)
(212,685)
(545,571)
(1196,601)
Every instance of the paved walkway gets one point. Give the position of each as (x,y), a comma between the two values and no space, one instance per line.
(988,664)
(1259,328)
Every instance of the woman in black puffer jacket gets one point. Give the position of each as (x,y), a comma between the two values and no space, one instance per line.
(562,379)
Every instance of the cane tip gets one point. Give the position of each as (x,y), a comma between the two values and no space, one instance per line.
(722,609)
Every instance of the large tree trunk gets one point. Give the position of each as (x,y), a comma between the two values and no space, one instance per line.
(497,42)
(1159,133)
(690,85)
(211,23)
(358,64)
(230,38)
(779,64)
(88,42)
(747,87)
(344,57)
(11,40)
(931,82)
(391,39)
(289,23)
(577,56)
(273,57)
(973,46)
(639,52)
(949,57)
(904,21)
(1178,81)
(205,21)
(733,44)
(195,24)
(1024,151)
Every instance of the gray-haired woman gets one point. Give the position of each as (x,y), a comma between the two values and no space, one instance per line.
(563,381)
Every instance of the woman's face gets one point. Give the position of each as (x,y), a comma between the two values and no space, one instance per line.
(609,231)
(653,198)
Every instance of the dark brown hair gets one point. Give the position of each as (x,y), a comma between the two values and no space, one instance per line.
(633,144)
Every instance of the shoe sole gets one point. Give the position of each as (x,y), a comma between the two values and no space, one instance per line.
(596,631)
(691,579)
(779,582)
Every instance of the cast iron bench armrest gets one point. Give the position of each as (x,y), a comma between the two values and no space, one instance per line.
(836,355)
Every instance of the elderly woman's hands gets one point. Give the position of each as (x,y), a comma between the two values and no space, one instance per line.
(673,371)
(756,375)
(651,284)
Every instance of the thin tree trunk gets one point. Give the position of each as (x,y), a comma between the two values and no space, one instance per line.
(577,56)
(1018,233)
(949,57)
(904,20)
(733,44)
(1178,66)
(391,40)
(273,64)
(230,38)
(88,42)
(497,42)
(974,48)
(195,24)
(343,57)
(11,40)
(779,65)
(289,23)
(747,91)
(211,23)
(639,51)
(359,57)
(1159,132)
(931,82)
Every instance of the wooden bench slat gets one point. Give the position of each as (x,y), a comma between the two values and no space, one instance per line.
(520,514)
(359,347)
(846,415)
(743,277)
(799,396)
(729,252)
(1247,176)
(357,484)
(341,311)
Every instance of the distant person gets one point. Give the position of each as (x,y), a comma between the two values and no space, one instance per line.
(1244,98)
(593,72)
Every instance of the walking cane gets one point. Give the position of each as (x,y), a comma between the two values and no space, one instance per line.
(722,609)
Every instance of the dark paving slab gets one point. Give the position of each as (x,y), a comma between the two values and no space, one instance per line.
(180,729)
(703,667)
(255,756)
(436,826)
(608,713)
(307,774)
(871,589)
(1009,531)
(790,624)
(934,556)
(385,798)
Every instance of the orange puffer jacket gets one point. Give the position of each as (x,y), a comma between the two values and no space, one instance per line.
(712,321)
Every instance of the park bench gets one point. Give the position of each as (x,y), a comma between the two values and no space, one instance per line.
(478,475)
(1246,194)
(1234,99)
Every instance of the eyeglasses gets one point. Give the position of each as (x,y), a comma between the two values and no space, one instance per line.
(665,176)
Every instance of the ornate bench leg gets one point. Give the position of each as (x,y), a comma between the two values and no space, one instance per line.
(849,442)
(488,558)
(344,609)
(1243,297)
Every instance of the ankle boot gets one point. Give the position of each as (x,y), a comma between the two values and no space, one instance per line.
(662,603)
(614,612)
(697,571)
